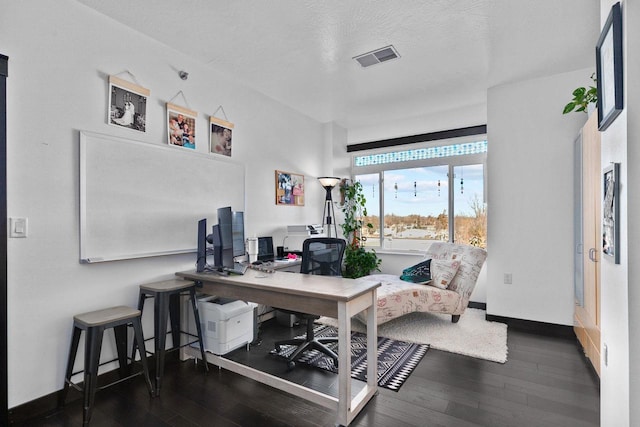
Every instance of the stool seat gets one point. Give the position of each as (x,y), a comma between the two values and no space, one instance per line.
(94,323)
(108,315)
(168,285)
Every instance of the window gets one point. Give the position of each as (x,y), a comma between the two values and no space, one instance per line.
(418,196)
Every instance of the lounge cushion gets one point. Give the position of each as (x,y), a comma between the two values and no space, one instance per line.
(419,273)
(442,272)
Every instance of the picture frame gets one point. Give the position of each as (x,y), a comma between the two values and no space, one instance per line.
(220,136)
(289,189)
(611,212)
(181,126)
(609,69)
(127,105)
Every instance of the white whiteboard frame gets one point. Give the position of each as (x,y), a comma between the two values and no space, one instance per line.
(234,195)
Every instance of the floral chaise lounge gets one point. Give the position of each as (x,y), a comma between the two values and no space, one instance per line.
(454,270)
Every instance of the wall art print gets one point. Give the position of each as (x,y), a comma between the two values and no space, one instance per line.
(127,105)
(181,126)
(289,189)
(609,69)
(220,133)
(611,212)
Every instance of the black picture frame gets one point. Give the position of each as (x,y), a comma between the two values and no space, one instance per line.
(609,69)
(611,211)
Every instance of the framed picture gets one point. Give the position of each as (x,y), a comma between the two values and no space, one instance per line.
(611,212)
(181,126)
(609,69)
(289,189)
(127,104)
(220,132)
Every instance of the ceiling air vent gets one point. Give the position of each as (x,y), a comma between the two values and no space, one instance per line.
(377,56)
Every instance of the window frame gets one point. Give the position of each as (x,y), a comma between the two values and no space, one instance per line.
(450,161)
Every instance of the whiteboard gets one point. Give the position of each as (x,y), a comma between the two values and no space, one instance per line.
(140,200)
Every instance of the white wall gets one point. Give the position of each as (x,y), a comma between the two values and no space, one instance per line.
(471,115)
(530,203)
(620,386)
(631,37)
(60,55)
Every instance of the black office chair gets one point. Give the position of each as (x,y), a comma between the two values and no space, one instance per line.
(321,256)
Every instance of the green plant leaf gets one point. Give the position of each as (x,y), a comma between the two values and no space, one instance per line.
(579,92)
(569,107)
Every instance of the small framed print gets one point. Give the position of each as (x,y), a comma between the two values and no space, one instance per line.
(181,126)
(289,189)
(220,133)
(609,69)
(611,212)
(127,105)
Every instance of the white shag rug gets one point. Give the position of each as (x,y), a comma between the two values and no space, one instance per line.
(472,335)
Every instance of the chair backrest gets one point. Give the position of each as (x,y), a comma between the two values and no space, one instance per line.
(322,256)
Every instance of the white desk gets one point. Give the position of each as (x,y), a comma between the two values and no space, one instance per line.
(336,297)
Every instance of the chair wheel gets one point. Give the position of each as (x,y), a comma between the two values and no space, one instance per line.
(291,365)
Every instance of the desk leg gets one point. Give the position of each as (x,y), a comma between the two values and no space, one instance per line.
(372,343)
(344,363)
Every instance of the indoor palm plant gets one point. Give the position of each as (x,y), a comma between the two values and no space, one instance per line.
(358,262)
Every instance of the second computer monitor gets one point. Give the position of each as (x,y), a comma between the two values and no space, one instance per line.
(265,249)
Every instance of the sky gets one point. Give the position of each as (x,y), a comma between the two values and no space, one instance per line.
(426,198)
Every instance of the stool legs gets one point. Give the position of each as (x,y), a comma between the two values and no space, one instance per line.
(93,345)
(120,333)
(161,315)
(174,318)
(139,339)
(75,340)
(196,318)
(141,299)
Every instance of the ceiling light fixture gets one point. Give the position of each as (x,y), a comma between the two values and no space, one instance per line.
(377,56)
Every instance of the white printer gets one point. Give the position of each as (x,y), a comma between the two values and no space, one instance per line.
(226,324)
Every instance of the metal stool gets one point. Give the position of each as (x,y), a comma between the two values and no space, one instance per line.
(167,304)
(94,323)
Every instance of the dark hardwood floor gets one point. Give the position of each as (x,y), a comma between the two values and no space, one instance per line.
(545,382)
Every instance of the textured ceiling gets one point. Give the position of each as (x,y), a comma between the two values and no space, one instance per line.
(299,52)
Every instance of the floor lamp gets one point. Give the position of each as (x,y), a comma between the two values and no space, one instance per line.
(329,182)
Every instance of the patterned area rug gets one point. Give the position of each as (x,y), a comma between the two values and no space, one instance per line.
(396,359)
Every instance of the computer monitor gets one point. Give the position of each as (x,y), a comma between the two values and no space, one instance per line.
(201,258)
(265,249)
(214,239)
(238,234)
(225,224)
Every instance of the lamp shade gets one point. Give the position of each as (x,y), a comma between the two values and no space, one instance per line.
(328,181)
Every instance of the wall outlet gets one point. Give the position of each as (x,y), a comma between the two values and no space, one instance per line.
(508,278)
(605,354)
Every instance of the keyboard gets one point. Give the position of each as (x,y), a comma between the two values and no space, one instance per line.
(238,268)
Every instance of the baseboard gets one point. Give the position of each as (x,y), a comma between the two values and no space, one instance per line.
(480,305)
(541,328)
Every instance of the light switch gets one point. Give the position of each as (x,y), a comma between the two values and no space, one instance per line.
(17,227)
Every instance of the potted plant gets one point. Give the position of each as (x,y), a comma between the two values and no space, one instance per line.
(358,262)
(582,97)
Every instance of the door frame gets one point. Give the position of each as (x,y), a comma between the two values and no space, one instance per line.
(4,381)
